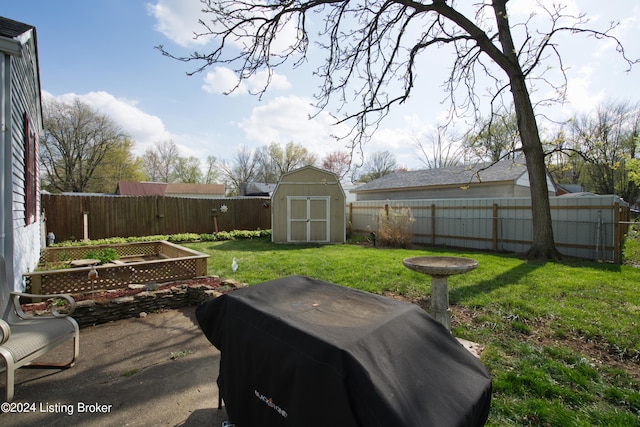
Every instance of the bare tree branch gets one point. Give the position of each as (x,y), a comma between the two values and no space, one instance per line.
(371,52)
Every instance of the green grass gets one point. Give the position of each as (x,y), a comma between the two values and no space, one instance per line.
(562,339)
(631,252)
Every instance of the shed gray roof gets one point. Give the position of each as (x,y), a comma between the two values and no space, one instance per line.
(506,170)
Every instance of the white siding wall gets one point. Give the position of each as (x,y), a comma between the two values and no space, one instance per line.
(450,192)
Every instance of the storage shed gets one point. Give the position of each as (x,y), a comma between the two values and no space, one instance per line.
(308,205)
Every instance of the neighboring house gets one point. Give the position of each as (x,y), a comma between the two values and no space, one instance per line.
(201,191)
(308,205)
(569,189)
(21,121)
(507,178)
(348,191)
(132,188)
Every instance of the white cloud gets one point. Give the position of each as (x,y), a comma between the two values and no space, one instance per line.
(581,96)
(222,80)
(145,129)
(286,119)
(178,21)
(527,7)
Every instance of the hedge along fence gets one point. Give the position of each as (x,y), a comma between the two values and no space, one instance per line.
(81,216)
(591,227)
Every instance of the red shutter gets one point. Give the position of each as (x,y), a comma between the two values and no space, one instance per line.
(30,173)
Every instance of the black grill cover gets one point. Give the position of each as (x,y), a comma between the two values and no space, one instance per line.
(301,352)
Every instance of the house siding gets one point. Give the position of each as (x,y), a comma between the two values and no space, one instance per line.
(449,192)
(507,178)
(21,95)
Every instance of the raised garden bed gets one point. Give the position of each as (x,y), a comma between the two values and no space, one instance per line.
(146,263)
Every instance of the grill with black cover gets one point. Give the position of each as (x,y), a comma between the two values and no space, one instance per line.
(298,351)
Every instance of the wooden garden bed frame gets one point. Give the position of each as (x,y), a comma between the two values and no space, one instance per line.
(175,263)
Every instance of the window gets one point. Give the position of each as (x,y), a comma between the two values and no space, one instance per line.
(31,173)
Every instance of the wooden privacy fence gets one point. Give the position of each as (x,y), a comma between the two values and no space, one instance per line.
(78,217)
(591,227)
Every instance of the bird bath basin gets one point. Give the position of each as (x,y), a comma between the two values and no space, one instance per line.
(440,268)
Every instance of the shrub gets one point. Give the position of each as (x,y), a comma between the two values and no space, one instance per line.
(104,255)
(174,238)
(183,237)
(394,227)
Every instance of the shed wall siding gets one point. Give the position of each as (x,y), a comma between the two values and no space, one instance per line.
(309,182)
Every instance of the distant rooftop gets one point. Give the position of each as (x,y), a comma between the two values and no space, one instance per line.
(506,170)
(134,188)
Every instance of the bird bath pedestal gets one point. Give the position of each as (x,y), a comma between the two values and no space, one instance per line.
(440,268)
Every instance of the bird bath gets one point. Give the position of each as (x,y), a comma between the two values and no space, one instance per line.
(440,268)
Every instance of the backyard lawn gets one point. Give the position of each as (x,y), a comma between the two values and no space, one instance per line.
(562,339)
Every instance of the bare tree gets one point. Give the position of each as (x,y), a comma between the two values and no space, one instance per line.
(606,141)
(338,162)
(75,142)
(242,171)
(378,164)
(496,138)
(211,175)
(371,52)
(274,160)
(160,161)
(442,150)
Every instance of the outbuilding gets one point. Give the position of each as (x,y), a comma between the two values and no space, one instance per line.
(507,178)
(308,205)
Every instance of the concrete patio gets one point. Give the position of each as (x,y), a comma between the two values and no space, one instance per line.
(155,370)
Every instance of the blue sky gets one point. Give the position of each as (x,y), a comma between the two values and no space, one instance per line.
(103,52)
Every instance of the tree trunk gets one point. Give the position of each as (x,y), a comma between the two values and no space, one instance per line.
(543,246)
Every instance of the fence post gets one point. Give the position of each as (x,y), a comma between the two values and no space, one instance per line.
(85,226)
(495,227)
(617,238)
(433,224)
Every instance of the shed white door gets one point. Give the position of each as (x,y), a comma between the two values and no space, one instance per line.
(308,219)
